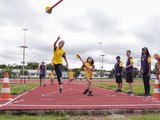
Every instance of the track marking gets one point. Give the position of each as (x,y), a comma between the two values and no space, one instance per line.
(123,105)
(17,97)
(85,99)
(47,99)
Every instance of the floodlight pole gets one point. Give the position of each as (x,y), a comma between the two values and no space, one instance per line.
(24,47)
(100,52)
(102,64)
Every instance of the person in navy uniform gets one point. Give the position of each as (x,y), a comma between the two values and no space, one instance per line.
(118,73)
(42,73)
(129,71)
(146,69)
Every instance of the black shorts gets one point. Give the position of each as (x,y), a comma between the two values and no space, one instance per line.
(119,79)
(129,77)
(42,76)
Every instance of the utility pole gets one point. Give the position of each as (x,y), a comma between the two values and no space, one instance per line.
(100,52)
(102,64)
(24,47)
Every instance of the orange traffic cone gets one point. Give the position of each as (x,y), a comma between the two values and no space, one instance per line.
(5,93)
(156,93)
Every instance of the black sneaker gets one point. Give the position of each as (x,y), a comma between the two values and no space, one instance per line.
(149,94)
(85,91)
(145,94)
(130,93)
(118,90)
(90,93)
(60,90)
(44,85)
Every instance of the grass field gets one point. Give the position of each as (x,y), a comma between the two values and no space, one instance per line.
(138,88)
(85,117)
(139,80)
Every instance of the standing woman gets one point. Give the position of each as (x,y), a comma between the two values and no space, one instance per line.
(146,69)
(58,62)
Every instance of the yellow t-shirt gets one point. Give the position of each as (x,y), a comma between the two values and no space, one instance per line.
(70,75)
(51,75)
(86,73)
(58,54)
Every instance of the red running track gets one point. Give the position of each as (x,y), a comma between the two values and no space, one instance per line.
(49,98)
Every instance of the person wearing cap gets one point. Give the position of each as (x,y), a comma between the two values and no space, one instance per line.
(118,73)
(129,71)
(146,69)
(57,61)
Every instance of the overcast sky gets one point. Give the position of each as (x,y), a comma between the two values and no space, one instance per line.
(82,24)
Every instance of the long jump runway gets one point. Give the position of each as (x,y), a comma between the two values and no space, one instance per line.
(72,98)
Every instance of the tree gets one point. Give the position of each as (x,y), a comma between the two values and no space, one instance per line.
(3,66)
(77,72)
(155,70)
(32,65)
(49,66)
(135,72)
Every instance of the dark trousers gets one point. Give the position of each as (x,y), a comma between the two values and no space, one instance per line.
(146,83)
(58,71)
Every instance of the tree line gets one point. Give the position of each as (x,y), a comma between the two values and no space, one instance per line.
(35,65)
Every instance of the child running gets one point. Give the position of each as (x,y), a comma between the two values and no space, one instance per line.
(58,62)
(42,73)
(90,64)
(52,77)
(70,77)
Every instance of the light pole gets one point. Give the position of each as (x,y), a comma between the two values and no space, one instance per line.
(102,64)
(100,52)
(138,68)
(24,47)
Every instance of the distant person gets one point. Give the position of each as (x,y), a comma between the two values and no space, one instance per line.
(52,77)
(90,64)
(129,71)
(146,69)
(58,62)
(70,77)
(118,73)
(42,73)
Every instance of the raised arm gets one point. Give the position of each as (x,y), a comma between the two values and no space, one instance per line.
(54,45)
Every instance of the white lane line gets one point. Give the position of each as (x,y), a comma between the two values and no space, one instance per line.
(129,105)
(85,99)
(47,99)
(17,97)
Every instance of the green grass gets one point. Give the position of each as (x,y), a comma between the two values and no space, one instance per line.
(17,89)
(113,80)
(78,117)
(137,88)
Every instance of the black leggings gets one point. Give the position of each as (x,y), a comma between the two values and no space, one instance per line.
(146,83)
(58,68)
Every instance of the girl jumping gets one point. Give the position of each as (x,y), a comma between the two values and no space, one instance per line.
(58,62)
(89,64)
